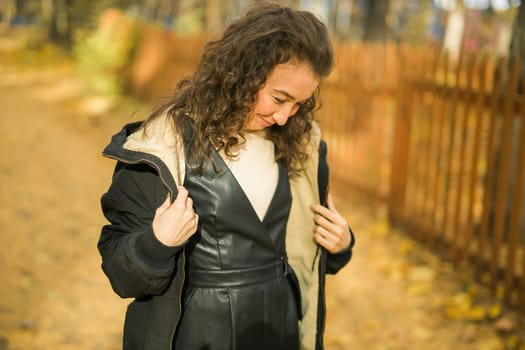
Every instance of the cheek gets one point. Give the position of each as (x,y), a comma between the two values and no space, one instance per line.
(264,105)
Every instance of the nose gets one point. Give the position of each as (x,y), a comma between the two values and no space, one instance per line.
(280,118)
(282,115)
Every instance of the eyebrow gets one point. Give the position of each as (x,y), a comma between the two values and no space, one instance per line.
(288,95)
(284,93)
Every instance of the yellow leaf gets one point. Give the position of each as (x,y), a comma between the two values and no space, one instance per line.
(421,333)
(421,274)
(492,343)
(380,228)
(463,300)
(473,291)
(419,289)
(512,342)
(372,325)
(405,246)
(458,306)
(500,292)
(476,313)
(494,311)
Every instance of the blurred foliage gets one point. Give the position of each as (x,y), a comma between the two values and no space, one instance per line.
(103,55)
(190,23)
(410,21)
(28,50)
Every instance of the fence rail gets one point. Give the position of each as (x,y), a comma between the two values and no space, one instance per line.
(443,143)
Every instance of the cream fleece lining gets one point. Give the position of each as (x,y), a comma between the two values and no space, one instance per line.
(161,140)
(300,246)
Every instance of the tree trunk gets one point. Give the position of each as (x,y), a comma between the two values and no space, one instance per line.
(59,29)
(375,24)
(517,42)
(7,11)
(213,15)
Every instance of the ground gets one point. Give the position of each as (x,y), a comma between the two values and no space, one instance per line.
(393,295)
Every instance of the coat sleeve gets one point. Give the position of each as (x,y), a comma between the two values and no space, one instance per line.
(136,263)
(335,262)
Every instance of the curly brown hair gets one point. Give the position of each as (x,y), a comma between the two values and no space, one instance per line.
(216,99)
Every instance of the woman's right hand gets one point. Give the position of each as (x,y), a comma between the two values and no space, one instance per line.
(174,223)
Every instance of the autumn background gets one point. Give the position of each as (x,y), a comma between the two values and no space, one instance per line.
(423,115)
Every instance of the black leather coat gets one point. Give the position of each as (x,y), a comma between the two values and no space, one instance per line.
(139,266)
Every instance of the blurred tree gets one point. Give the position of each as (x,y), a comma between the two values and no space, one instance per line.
(64,18)
(517,41)
(412,21)
(7,11)
(375,23)
(214,16)
(59,25)
(340,18)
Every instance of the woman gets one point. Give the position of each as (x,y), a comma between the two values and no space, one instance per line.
(215,224)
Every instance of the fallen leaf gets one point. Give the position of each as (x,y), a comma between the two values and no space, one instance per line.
(476,313)
(421,274)
(372,325)
(512,342)
(500,292)
(492,343)
(419,289)
(504,324)
(458,306)
(494,311)
(405,246)
(468,335)
(421,333)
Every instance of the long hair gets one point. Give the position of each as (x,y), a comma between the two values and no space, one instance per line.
(214,102)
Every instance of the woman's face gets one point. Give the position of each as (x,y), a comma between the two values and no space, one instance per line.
(286,88)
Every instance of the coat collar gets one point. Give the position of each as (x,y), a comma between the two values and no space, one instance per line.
(157,144)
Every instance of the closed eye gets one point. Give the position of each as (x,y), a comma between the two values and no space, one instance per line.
(278,100)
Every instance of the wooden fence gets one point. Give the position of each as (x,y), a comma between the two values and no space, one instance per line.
(440,142)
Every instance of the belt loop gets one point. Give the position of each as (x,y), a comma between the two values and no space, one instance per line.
(286,268)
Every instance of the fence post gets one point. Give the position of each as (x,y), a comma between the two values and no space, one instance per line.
(400,145)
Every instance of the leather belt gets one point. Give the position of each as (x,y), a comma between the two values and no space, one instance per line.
(237,277)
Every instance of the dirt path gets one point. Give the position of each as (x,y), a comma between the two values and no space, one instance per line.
(54,295)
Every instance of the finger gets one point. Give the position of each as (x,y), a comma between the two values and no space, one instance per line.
(333,242)
(180,200)
(330,202)
(326,223)
(195,221)
(189,203)
(165,205)
(191,226)
(319,209)
(323,242)
(327,213)
(326,234)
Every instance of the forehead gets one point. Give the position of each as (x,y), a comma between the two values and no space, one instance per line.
(295,79)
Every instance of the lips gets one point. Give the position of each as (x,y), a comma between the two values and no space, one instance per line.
(265,122)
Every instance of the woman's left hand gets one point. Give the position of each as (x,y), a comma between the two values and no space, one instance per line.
(331,229)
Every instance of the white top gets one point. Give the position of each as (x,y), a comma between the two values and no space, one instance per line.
(256,171)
